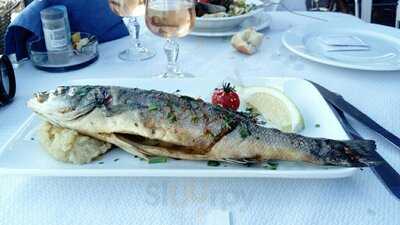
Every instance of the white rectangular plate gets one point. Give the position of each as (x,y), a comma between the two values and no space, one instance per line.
(22,154)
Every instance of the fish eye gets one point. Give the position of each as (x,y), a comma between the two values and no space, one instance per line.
(72,91)
(41,96)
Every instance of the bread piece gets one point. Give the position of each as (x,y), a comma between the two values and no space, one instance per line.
(70,146)
(247,41)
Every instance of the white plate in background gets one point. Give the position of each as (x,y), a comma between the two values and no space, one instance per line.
(383,42)
(22,154)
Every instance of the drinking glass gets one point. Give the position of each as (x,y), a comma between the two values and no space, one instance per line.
(316,5)
(128,10)
(171,19)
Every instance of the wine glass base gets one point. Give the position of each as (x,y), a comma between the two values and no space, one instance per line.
(136,54)
(176,75)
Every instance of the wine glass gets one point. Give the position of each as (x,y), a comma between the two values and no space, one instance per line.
(128,9)
(316,6)
(171,19)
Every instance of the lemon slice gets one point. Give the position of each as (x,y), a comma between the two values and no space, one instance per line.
(276,108)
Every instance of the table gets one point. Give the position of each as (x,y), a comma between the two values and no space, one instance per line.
(360,199)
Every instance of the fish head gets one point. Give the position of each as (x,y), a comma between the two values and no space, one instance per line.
(66,103)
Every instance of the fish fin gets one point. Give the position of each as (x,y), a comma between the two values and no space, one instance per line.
(240,161)
(127,146)
(145,151)
(354,153)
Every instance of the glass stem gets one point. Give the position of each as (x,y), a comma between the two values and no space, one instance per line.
(171,49)
(134,30)
(317,5)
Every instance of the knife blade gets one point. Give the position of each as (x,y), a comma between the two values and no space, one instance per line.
(338,101)
(385,173)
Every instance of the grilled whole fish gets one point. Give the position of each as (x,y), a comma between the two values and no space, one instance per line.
(150,122)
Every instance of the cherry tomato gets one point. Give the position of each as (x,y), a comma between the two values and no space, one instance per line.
(226,97)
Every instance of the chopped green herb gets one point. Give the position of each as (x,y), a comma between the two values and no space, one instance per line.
(271,165)
(101,162)
(244,132)
(177,91)
(208,132)
(115,160)
(227,122)
(81,91)
(317,125)
(252,113)
(249,109)
(158,159)
(195,119)
(32,139)
(152,107)
(213,163)
(171,117)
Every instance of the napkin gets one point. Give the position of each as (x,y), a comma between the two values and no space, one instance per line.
(340,43)
(342,40)
(91,16)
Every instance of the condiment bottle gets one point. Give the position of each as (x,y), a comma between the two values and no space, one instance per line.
(57,33)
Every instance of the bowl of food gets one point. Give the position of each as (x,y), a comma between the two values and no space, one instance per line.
(223,15)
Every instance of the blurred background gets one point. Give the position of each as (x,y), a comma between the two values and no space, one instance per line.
(377,11)
(383,11)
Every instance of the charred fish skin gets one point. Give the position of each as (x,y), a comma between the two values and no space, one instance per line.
(262,144)
(159,123)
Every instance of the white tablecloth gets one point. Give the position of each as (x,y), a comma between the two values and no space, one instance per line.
(360,199)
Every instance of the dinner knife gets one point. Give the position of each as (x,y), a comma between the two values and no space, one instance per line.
(386,174)
(338,101)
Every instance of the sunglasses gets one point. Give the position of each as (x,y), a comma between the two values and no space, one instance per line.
(7,80)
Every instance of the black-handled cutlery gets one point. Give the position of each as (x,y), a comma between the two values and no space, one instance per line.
(338,101)
(384,171)
(386,174)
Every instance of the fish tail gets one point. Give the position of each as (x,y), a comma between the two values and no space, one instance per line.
(353,153)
